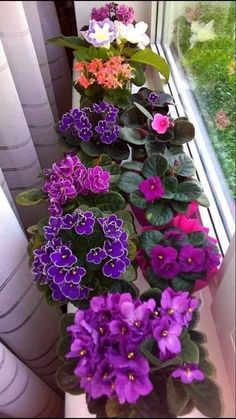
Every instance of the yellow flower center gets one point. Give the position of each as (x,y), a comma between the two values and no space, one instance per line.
(165,333)
(131,377)
(131,355)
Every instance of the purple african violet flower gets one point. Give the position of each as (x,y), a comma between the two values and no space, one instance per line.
(69,221)
(53,227)
(166,334)
(169,270)
(174,305)
(192,259)
(56,293)
(114,268)
(66,166)
(153,98)
(103,380)
(75,274)
(212,258)
(66,123)
(96,255)
(85,134)
(100,33)
(63,257)
(73,291)
(109,137)
(100,107)
(125,13)
(101,126)
(114,249)
(85,223)
(98,180)
(100,13)
(161,256)
(55,209)
(111,226)
(193,304)
(152,188)
(57,274)
(188,373)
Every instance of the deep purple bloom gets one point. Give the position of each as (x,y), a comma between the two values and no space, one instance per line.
(57,274)
(53,227)
(55,209)
(212,258)
(188,373)
(66,122)
(152,188)
(153,98)
(108,137)
(161,256)
(114,249)
(174,305)
(100,107)
(96,255)
(103,379)
(75,274)
(111,117)
(192,259)
(63,257)
(70,290)
(169,270)
(85,223)
(101,127)
(166,334)
(56,293)
(85,134)
(114,268)
(98,180)
(111,226)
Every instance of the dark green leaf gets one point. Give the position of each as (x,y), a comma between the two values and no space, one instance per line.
(130,274)
(207,398)
(116,410)
(131,135)
(187,409)
(188,191)
(143,110)
(180,284)
(149,348)
(159,214)
(149,239)
(183,131)
(203,200)
(132,117)
(154,293)
(170,183)
(110,201)
(155,165)
(179,206)
(65,321)
(174,361)
(132,249)
(129,182)
(31,197)
(153,146)
(156,282)
(195,319)
(118,150)
(137,199)
(67,381)
(139,75)
(198,337)
(122,286)
(197,238)
(63,347)
(132,165)
(67,41)
(190,351)
(177,395)
(207,368)
(183,165)
(92,149)
(82,54)
(147,56)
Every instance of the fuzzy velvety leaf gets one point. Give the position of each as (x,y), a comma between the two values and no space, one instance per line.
(116,410)
(63,347)
(148,347)
(147,56)
(118,151)
(131,135)
(187,409)
(143,110)
(197,238)
(190,351)
(203,200)
(129,228)
(67,41)
(207,398)
(174,361)
(188,191)
(170,183)
(180,284)
(154,293)
(67,381)
(177,395)
(156,282)
(183,131)
(110,201)
(122,286)
(132,249)
(132,165)
(65,321)
(198,337)
(31,197)
(183,165)
(155,165)
(149,239)
(195,319)
(138,153)
(129,181)
(179,206)
(159,214)
(92,149)
(137,199)
(132,117)
(82,54)
(130,274)
(125,215)
(153,146)
(207,368)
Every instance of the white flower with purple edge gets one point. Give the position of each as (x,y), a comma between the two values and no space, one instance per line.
(100,34)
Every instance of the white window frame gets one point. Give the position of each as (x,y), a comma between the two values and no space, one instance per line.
(220,217)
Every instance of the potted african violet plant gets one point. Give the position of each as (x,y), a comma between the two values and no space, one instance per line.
(161,187)
(138,357)
(182,255)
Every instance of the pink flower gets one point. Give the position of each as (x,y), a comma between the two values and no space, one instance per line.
(152,188)
(160,123)
(222,120)
(192,209)
(188,225)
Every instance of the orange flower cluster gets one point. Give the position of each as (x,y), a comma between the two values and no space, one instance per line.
(110,74)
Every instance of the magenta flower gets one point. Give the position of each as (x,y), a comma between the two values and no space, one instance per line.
(167,336)
(162,256)
(152,188)
(130,384)
(125,13)
(192,259)
(188,373)
(97,180)
(160,123)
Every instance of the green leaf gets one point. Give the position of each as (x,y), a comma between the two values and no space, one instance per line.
(31,197)
(177,395)
(139,75)
(170,184)
(125,215)
(188,191)
(174,361)
(110,201)
(132,249)
(65,321)
(183,165)
(159,214)
(187,409)
(197,238)
(130,274)
(183,131)
(156,282)
(137,199)
(198,337)
(67,381)
(152,146)
(207,368)
(118,150)
(154,293)
(63,347)
(92,149)
(203,200)
(155,165)
(149,239)
(207,398)
(147,347)
(132,165)
(147,56)
(195,319)
(121,286)
(129,227)
(143,110)
(67,41)
(131,135)
(180,284)
(129,182)
(116,410)
(190,351)
(179,206)
(82,54)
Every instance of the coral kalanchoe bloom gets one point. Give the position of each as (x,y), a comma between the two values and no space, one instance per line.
(160,123)
(100,33)
(188,373)
(152,188)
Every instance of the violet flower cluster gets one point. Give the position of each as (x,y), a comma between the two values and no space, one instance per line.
(106,339)
(113,12)
(69,178)
(169,262)
(56,264)
(99,122)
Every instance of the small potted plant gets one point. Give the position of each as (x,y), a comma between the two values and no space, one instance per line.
(161,187)
(182,256)
(137,357)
